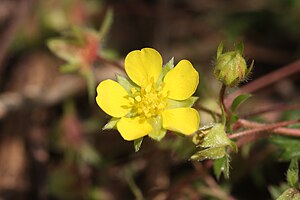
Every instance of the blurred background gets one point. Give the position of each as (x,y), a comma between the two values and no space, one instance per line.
(51,141)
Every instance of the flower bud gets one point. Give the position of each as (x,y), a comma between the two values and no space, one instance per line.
(231,67)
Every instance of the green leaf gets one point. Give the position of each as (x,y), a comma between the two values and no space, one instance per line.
(180,104)
(250,68)
(289,147)
(218,167)
(68,68)
(64,50)
(157,133)
(91,85)
(166,68)
(111,124)
(137,144)
(216,137)
(126,83)
(169,65)
(290,194)
(214,144)
(77,34)
(234,118)
(240,47)
(234,147)
(220,49)
(238,101)
(277,190)
(209,153)
(293,173)
(222,166)
(106,24)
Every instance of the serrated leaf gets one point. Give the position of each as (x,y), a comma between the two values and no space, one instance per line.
(222,165)
(137,144)
(220,49)
(290,194)
(180,104)
(293,173)
(125,82)
(238,101)
(214,144)
(216,137)
(111,124)
(289,147)
(209,153)
(227,166)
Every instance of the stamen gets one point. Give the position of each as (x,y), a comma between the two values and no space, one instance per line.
(133,90)
(138,98)
(149,101)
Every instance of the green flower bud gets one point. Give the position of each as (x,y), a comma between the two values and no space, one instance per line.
(231,67)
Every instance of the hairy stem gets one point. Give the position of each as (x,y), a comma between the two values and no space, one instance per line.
(273,108)
(266,80)
(250,124)
(267,127)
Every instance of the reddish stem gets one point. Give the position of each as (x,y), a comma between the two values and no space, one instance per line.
(266,80)
(267,127)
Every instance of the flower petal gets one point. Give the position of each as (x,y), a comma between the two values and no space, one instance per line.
(142,65)
(181,81)
(183,120)
(133,128)
(112,98)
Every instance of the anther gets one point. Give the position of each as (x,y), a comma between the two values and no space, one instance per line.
(138,98)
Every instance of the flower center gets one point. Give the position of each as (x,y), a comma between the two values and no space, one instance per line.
(149,102)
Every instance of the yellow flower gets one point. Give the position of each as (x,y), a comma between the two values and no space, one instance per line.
(156,99)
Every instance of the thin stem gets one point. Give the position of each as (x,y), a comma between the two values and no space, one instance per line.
(250,124)
(221,97)
(111,62)
(266,80)
(280,131)
(134,188)
(211,183)
(207,110)
(273,108)
(266,127)
(222,104)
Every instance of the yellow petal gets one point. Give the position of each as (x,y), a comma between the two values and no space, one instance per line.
(181,81)
(142,65)
(112,98)
(182,120)
(133,128)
